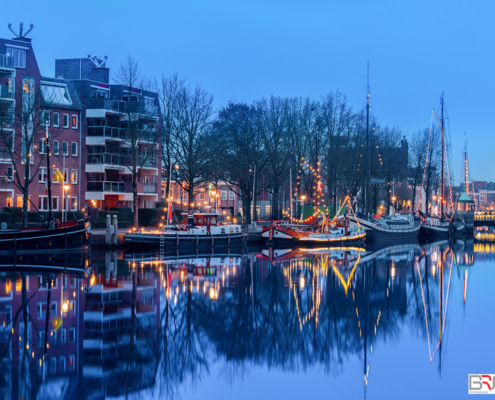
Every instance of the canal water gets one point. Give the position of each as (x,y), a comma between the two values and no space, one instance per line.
(390,321)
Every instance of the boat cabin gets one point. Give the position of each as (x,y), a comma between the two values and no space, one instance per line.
(206,219)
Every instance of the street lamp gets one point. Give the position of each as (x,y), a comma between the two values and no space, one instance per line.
(64,210)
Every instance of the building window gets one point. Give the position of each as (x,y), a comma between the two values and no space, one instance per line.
(19,56)
(41,338)
(45,118)
(42,146)
(53,365)
(72,335)
(73,203)
(72,306)
(56,147)
(19,201)
(66,175)
(41,310)
(42,175)
(10,174)
(65,120)
(43,203)
(53,337)
(55,203)
(231,195)
(9,202)
(62,363)
(65,148)
(72,362)
(63,335)
(74,121)
(73,177)
(224,194)
(8,314)
(53,309)
(74,149)
(53,93)
(56,120)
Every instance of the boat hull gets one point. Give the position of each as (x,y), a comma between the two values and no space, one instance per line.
(182,240)
(376,233)
(60,238)
(290,236)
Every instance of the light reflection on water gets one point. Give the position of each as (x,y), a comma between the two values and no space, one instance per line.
(273,323)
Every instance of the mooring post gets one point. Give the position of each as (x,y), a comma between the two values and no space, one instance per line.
(108,238)
(115,225)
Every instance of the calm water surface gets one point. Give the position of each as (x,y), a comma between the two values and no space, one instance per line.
(393,321)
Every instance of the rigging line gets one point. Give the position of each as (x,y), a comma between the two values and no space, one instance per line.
(426,159)
(424,308)
(450,186)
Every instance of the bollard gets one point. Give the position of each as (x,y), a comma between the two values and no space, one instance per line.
(108,240)
(115,224)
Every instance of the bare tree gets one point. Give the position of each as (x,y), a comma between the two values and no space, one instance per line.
(417,158)
(170,89)
(140,114)
(20,129)
(194,116)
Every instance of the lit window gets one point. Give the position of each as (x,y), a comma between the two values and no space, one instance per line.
(73,203)
(73,177)
(18,285)
(19,201)
(72,362)
(74,121)
(8,286)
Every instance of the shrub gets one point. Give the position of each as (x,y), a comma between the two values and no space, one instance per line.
(146,215)
(6,217)
(15,212)
(98,223)
(103,214)
(161,204)
(124,213)
(125,224)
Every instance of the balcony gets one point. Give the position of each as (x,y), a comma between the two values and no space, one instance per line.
(7,92)
(150,137)
(6,62)
(97,108)
(106,158)
(149,162)
(6,118)
(106,131)
(149,188)
(106,186)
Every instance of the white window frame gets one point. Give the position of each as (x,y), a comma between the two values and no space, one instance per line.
(44,119)
(72,303)
(73,208)
(40,303)
(72,149)
(58,148)
(11,49)
(73,366)
(41,203)
(55,198)
(44,175)
(57,125)
(54,302)
(42,149)
(73,172)
(68,121)
(53,365)
(223,193)
(65,173)
(72,330)
(10,174)
(62,364)
(63,336)
(231,195)
(65,153)
(77,121)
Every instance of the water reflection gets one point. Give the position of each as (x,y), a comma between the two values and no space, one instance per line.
(135,325)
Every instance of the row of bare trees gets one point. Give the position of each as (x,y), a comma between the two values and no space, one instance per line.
(266,139)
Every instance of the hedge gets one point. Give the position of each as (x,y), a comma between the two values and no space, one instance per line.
(15,212)
(6,217)
(125,213)
(103,214)
(146,215)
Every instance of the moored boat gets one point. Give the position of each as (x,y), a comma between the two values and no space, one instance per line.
(204,230)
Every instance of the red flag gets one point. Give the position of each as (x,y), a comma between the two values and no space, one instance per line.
(170,211)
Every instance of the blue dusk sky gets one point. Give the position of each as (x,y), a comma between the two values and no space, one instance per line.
(246,50)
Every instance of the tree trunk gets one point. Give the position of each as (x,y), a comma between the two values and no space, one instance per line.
(190,193)
(246,207)
(25,200)
(135,198)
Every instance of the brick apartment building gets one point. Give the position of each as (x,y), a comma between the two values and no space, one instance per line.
(87,118)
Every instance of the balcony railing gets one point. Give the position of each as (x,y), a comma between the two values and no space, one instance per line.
(6,92)
(106,158)
(106,131)
(149,162)
(151,137)
(122,106)
(6,61)
(6,117)
(149,187)
(106,186)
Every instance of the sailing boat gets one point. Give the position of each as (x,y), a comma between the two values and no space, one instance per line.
(396,227)
(440,226)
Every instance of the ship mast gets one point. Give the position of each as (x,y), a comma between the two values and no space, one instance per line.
(441,166)
(367,193)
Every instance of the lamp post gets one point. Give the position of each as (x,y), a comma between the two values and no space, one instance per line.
(64,202)
(394,201)
(303,197)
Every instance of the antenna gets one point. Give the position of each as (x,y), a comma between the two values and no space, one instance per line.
(20,35)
